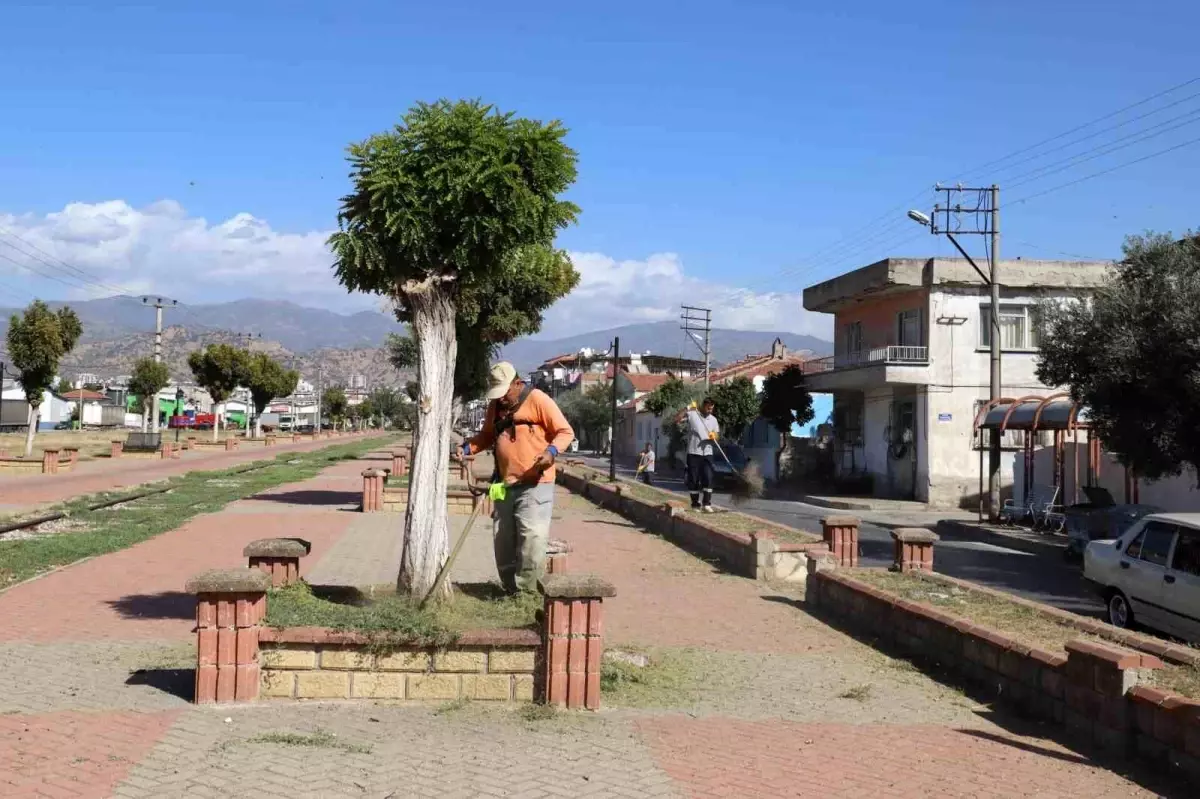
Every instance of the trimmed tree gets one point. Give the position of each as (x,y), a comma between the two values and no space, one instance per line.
(737,406)
(218,369)
(588,411)
(1132,355)
(37,340)
(384,404)
(785,402)
(441,206)
(666,402)
(267,379)
(149,377)
(334,404)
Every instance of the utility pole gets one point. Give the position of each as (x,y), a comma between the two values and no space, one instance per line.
(157,303)
(980,218)
(317,424)
(695,322)
(612,449)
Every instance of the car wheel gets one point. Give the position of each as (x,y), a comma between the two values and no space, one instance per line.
(1119,612)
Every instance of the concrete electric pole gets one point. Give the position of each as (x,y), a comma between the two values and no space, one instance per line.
(157,303)
(698,321)
(612,438)
(981,218)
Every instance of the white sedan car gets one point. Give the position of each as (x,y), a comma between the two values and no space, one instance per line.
(1151,574)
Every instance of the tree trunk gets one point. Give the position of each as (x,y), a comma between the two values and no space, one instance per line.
(426,539)
(217,421)
(145,418)
(257,423)
(33,423)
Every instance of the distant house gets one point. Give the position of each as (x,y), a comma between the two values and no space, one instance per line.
(53,411)
(578,371)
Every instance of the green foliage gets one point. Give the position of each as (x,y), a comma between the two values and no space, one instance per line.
(670,396)
(37,340)
(402,351)
(219,369)
(785,400)
(589,410)
(1132,355)
(334,403)
(383,403)
(412,390)
(450,194)
(267,379)
(149,377)
(736,406)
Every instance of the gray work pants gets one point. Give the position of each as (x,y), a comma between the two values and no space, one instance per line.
(521,529)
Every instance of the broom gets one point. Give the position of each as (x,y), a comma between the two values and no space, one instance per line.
(750,483)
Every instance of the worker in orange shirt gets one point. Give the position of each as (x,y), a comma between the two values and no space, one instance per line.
(527,431)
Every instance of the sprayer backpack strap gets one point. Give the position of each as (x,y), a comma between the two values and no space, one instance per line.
(500,426)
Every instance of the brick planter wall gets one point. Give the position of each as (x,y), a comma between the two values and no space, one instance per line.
(314,663)
(759,556)
(12,466)
(1093,692)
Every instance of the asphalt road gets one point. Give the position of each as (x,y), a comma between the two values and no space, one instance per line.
(1044,578)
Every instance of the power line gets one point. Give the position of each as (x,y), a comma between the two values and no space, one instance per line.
(81,277)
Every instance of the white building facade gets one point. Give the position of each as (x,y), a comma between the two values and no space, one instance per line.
(911,367)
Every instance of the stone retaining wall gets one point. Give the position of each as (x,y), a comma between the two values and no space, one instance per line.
(313,663)
(1093,691)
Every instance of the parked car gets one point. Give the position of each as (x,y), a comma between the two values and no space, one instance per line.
(1100,518)
(1151,574)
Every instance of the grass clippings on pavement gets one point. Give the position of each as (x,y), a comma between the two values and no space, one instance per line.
(1022,623)
(99,532)
(321,739)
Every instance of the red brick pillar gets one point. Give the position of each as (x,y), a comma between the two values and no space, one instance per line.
(556,557)
(165,451)
(190,443)
(270,442)
(399,464)
(572,639)
(912,549)
(295,438)
(372,496)
(231,444)
(72,456)
(230,606)
(278,557)
(841,536)
(117,446)
(50,461)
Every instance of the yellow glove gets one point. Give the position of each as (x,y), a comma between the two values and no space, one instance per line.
(497,492)
(712,436)
(692,405)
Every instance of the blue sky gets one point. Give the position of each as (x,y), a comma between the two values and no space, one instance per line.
(728,140)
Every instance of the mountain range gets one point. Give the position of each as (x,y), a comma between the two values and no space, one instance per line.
(119,330)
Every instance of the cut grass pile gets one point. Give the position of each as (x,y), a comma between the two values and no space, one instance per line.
(669,678)
(393,621)
(192,494)
(730,521)
(321,739)
(1022,623)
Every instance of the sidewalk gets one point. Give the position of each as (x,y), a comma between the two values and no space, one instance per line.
(97,661)
(19,494)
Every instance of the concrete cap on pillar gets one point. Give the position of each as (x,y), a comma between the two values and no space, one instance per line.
(914,535)
(277,548)
(576,586)
(229,581)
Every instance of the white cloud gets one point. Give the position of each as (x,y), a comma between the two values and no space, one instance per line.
(159,248)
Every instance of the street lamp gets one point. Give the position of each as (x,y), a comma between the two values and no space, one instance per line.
(178,411)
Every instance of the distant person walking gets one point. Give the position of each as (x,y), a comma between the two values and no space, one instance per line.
(645,467)
(703,430)
(527,431)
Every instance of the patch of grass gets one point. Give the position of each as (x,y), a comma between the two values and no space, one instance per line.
(191,495)
(534,712)
(858,693)
(392,621)
(451,707)
(670,679)
(1023,623)
(321,739)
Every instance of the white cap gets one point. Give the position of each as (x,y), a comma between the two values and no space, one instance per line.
(499,379)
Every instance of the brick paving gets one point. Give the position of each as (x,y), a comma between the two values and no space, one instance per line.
(94,700)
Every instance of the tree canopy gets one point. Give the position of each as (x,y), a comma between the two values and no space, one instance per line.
(37,340)
(1132,355)
(149,377)
(218,369)
(670,396)
(736,405)
(334,404)
(589,410)
(785,400)
(267,379)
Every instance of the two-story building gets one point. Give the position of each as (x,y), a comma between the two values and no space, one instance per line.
(911,366)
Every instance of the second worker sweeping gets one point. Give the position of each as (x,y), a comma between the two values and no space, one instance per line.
(702,430)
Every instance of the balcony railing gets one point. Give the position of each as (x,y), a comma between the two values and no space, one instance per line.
(893,355)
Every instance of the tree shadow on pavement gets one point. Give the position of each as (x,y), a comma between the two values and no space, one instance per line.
(312,498)
(176,682)
(166,605)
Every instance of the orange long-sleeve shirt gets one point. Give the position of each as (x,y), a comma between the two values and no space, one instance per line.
(538,424)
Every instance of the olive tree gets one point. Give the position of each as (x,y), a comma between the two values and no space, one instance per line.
(37,340)
(442,207)
(267,380)
(218,369)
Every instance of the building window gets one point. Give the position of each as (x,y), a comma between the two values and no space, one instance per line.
(908,324)
(854,338)
(1018,327)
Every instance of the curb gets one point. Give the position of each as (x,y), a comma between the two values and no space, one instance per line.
(950,527)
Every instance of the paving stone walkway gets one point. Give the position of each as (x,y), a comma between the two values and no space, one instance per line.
(771,702)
